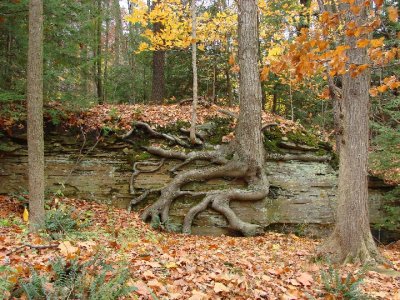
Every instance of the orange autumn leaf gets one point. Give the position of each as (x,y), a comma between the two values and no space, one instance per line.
(264,73)
(322,45)
(362,67)
(382,88)
(375,43)
(387,80)
(325,17)
(373,92)
(393,14)
(394,85)
(355,9)
(231,60)
(378,3)
(362,43)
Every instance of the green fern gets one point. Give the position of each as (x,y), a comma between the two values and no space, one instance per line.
(74,280)
(340,287)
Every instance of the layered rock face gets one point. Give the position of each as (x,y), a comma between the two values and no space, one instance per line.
(302,195)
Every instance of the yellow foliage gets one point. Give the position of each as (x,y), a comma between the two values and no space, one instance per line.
(274,52)
(25,215)
(175,19)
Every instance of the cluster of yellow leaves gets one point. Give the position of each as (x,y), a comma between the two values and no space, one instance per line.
(171,15)
(175,21)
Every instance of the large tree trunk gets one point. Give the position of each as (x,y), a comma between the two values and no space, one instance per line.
(106,50)
(248,131)
(194,68)
(35,116)
(351,239)
(129,52)
(158,83)
(8,65)
(118,45)
(99,75)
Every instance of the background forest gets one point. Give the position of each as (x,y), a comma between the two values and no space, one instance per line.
(93,55)
(112,52)
(100,57)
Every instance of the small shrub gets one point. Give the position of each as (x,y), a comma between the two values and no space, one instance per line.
(6,282)
(391,220)
(94,280)
(339,287)
(64,220)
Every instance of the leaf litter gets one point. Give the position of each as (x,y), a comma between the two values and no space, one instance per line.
(176,266)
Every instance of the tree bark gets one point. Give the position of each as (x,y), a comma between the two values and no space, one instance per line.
(248,131)
(118,45)
(35,117)
(351,239)
(106,50)
(99,76)
(8,65)
(129,52)
(194,69)
(158,86)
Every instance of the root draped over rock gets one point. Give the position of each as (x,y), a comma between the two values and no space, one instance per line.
(218,200)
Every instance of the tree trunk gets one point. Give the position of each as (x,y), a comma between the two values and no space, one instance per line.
(158,86)
(274,107)
(194,68)
(99,79)
(263,93)
(118,33)
(351,239)
(129,51)
(248,131)
(8,65)
(35,116)
(214,83)
(106,50)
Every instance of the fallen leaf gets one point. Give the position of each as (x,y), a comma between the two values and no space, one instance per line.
(197,295)
(305,279)
(66,248)
(220,287)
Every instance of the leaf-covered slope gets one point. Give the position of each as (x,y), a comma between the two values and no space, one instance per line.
(174,266)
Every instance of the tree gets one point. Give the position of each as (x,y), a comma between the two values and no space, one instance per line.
(158,85)
(35,116)
(351,238)
(98,54)
(243,157)
(118,43)
(194,68)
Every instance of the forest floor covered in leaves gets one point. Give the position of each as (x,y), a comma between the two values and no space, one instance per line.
(149,264)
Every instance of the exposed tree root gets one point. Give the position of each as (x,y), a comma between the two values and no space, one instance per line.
(217,200)
(216,157)
(147,128)
(201,100)
(364,251)
(137,171)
